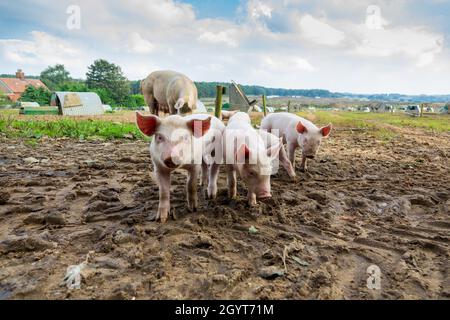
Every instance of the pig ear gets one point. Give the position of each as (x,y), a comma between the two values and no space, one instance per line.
(243,153)
(326,130)
(274,150)
(199,127)
(301,128)
(147,124)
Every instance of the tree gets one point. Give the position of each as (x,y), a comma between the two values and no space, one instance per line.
(55,76)
(39,95)
(104,95)
(4,100)
(73,86)
(104,75)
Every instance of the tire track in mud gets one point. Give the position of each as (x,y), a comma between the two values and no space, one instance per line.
(363,202)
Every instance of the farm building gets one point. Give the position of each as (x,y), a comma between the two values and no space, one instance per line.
(77,103)
(15,87)
(238,99)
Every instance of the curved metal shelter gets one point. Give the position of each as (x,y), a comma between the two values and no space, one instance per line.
(77,103)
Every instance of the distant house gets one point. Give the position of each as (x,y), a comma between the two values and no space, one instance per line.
(77,103)
(15,87)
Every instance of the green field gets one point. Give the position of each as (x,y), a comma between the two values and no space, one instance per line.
(71,128)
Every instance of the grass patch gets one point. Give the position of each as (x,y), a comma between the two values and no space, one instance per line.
(78,129)
(9,112)
(438,123)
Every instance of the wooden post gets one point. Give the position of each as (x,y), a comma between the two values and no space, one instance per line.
(264,105)
(218,109)
(421,110)
(289,106)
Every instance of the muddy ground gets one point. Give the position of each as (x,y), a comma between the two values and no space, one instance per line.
(364,202)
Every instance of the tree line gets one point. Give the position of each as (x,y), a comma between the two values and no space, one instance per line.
(104,78)
(108,81)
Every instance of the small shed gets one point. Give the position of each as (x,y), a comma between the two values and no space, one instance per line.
(238,99)
(77,103)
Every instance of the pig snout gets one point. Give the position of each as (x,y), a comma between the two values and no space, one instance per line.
(169,163)
(264,195)
(172,158)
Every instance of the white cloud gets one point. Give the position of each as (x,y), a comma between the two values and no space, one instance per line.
(139,45)
(285,63)
(226,37)
(414,43)
(258,9)
(320,32)
(42,47)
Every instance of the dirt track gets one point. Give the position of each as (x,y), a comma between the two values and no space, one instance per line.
(364,202)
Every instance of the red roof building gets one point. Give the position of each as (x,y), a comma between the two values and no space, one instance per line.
(15,87)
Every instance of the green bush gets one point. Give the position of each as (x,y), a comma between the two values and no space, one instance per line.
(39,95)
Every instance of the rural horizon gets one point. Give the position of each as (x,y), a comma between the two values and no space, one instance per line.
(288,92)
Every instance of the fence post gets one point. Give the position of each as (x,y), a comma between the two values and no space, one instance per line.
(421,110)
(264,105)
(289,106)
(218,108)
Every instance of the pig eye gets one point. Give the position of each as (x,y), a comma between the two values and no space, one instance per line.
(159,138)
(186,137)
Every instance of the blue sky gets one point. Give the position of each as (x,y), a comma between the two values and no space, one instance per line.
(213,9)
(361,46)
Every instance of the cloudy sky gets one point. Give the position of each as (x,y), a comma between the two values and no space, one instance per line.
(360,46)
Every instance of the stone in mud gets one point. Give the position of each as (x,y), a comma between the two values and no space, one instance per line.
(30,160)
(55,218)
(111,263)
(220,278)
(4,197)
(121,237)
(271,272)
(35,218)
(24,243)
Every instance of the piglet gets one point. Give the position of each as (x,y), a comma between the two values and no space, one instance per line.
(246,153)
(297,132)
(178,143)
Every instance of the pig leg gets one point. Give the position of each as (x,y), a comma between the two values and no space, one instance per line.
(204,180)
(303,166)
(291,153)
(251,199)
(286,163)
(191,188)
(231,180)
(151,103)
(163,179)
(213,176)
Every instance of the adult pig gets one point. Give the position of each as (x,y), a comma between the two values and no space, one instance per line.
(245,152)
(297,132)
(175,145)
(169,92)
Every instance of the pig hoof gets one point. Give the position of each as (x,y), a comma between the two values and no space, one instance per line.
(211,195)
(303,170)
(163,219)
